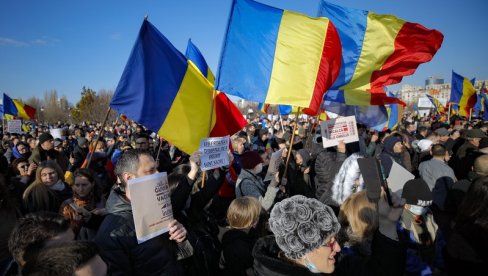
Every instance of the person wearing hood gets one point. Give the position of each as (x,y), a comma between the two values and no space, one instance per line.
(249,183)
(299,177)
(21,150)
(392,153)
(461,158)
(79,154)
(304,242)
(45,151)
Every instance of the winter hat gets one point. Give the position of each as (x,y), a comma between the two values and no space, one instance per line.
(81,141)
(424,144)
(417,192)
(262,132)
(301,225)
(476,133)
(442,131)
(391,141)
(45,137)
(250,159)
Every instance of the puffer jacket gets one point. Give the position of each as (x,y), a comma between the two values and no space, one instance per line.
(327,164)
(120,250)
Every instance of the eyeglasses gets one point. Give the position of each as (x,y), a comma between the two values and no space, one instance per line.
(330,243)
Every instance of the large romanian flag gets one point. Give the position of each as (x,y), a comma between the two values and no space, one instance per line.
(163,91)
(230,119)
(463,93)
(377,50)
(17,109)
(278,57)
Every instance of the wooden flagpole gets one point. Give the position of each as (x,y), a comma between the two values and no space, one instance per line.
(291,144)
(209,130)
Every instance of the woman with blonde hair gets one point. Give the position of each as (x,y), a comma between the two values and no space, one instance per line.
(48,191)
(358,217)
(238,242)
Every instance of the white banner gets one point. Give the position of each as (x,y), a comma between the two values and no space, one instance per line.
(214,152)
(151,205)
(14,126)
(56,133)
(340,129)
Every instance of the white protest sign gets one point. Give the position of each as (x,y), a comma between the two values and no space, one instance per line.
(398,177)
(151,205)
(214,152)
(335,130)
(275,117)
(274,164)
(270,117)
(14,126)
(56,133)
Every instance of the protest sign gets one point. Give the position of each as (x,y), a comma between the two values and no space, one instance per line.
(14,126)
(151,205)
(274,164)
(57,133)
(335,130)
(398,177)
(214,152)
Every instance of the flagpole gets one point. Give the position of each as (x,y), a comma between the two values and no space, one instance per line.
(87,164)
(449,114)
(291,144)
(282,128)
(470,113)
(209,129)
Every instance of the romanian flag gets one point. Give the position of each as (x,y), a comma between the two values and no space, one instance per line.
(123,117)
(194,54)
(485,106)
(163,91)
(264,107)
(377,50)
(438,105)
(278,57)
(463,93)
(229,118)
(17,109)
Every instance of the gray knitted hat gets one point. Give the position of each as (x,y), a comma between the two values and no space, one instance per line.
(301,225)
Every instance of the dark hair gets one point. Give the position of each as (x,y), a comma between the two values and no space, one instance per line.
(438,150)
(175,176)
(17,162)
(32,231)
(63,259)
(91,176)
(474,207)
(421,128)
(129,162)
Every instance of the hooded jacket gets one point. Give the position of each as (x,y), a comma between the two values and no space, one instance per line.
(388,155)
(120,250)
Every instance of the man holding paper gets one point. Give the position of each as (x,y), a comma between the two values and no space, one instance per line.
(117,236)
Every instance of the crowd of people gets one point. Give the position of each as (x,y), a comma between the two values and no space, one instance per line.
(66,206)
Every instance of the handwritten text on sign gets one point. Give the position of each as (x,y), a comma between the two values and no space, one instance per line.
(214,152)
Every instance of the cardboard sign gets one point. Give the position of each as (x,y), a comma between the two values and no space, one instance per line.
(398,177)
(151,205)
(214,152)
(57,133)
(14,126)
(335,130)
(274,164)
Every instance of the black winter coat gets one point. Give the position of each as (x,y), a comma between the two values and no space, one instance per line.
(237,248)
(327,164)
(119,249)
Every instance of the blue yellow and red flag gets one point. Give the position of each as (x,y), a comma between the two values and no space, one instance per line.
(463,93)
(163,91)
(437,104)
(377,51)
(278,57)
(17,109)
(229,118)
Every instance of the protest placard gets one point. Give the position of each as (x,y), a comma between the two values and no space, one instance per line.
(274,164)
(214,152)
(151,205)
(398,177)
(340,129)
(57,133)
(14,126)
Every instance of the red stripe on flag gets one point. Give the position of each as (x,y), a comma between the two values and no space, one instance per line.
(329,67)
(414,44)
(229,119)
